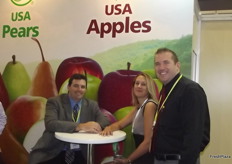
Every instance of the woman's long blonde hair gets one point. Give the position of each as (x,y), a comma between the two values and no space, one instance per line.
(150,87)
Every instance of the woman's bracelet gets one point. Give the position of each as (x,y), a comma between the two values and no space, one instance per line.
(129,161)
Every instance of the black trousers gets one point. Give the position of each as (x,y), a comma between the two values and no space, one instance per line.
(147,158)
(60,159)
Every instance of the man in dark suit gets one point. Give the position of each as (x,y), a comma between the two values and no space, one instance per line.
(182,128)
(60,117)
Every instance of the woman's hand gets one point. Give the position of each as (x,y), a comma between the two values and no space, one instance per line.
(107,131)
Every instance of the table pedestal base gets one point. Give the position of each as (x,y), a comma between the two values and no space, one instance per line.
(90,154)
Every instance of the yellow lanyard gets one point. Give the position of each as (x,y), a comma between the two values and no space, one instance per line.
(78,115)
(162,106)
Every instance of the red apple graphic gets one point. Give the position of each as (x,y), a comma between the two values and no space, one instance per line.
(102,151)
(23,113)
(4,97)
(109,115)
(115,89)
(77,65)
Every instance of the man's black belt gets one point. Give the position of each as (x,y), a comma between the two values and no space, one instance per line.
(164,157)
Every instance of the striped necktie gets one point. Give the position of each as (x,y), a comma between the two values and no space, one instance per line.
(69,156)
(75,111)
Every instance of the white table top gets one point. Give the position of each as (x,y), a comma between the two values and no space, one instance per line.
(90,138)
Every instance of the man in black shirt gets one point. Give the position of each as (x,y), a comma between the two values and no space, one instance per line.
(182,128)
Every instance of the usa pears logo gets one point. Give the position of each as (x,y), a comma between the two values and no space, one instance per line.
(20,2)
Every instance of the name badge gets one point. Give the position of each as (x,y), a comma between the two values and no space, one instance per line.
(74,146)
(154,123)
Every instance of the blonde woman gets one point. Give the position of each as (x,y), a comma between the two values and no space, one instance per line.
(141,117)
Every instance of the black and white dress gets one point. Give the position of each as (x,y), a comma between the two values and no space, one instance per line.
(138,133)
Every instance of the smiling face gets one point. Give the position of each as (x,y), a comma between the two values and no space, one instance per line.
(165,66)
(140,87)
(77,89)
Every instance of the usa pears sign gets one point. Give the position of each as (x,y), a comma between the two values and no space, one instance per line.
(20,16)
(14,32)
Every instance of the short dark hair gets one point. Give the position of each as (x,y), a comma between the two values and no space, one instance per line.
(77,76)
(174,56)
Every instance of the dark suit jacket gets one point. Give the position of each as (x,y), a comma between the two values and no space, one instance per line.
(58,118)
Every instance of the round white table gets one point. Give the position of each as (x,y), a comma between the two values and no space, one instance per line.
(90,139)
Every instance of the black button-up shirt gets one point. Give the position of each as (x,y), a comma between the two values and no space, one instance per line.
(183,125)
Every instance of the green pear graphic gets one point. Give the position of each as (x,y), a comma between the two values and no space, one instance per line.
(16,79)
